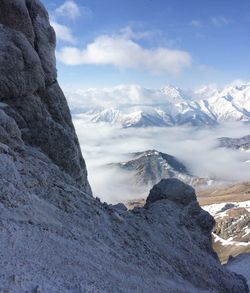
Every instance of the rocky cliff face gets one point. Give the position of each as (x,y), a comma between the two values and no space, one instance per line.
(54,236)
(29,93)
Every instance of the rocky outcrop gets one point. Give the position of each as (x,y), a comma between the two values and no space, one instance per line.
(29,92)
(56,237)
(231,233)
(174,190)
(234,224)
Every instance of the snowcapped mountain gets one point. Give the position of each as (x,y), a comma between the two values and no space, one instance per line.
(150,166)
(135,106)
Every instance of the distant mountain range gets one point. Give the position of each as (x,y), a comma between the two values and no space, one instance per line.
(149,167)
(242,143)
(135,106)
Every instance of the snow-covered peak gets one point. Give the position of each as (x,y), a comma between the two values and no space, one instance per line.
(206,92)
(136,106)
(172,93)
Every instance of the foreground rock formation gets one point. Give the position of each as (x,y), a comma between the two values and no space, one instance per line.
(54,236)
(33,108)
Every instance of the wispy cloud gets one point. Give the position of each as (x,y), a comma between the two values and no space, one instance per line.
(220,21)
(128,33)
(63,32)
(70,9)
(65,13)
(124,52)
(196,23)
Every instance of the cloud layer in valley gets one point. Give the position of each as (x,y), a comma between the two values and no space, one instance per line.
(197,148)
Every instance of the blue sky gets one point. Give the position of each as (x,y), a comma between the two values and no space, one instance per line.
(103,43)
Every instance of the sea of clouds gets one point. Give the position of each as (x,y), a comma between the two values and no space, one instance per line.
(197,148)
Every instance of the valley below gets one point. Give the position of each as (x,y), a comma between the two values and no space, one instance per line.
(217,166)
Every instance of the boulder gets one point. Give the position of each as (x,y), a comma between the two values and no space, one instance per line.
(172,189)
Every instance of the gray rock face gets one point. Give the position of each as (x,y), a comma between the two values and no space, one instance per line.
(20,67)
(29,89)
(54,236)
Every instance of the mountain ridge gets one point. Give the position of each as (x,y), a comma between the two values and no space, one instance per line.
(150,166)
(135,106)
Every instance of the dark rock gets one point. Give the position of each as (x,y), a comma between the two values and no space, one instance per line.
(173,190)
(120,207)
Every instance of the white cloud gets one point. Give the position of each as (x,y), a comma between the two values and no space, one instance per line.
(128,33)
(63,32)
(70,9)
(196,23)
(196,148)
(220,21)
(126,53)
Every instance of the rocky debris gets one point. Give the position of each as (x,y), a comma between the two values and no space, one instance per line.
(242,143)
(234,224)
(54,236)
(231,234)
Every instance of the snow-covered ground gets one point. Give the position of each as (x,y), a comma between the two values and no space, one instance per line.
(218,210)
(231,235)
